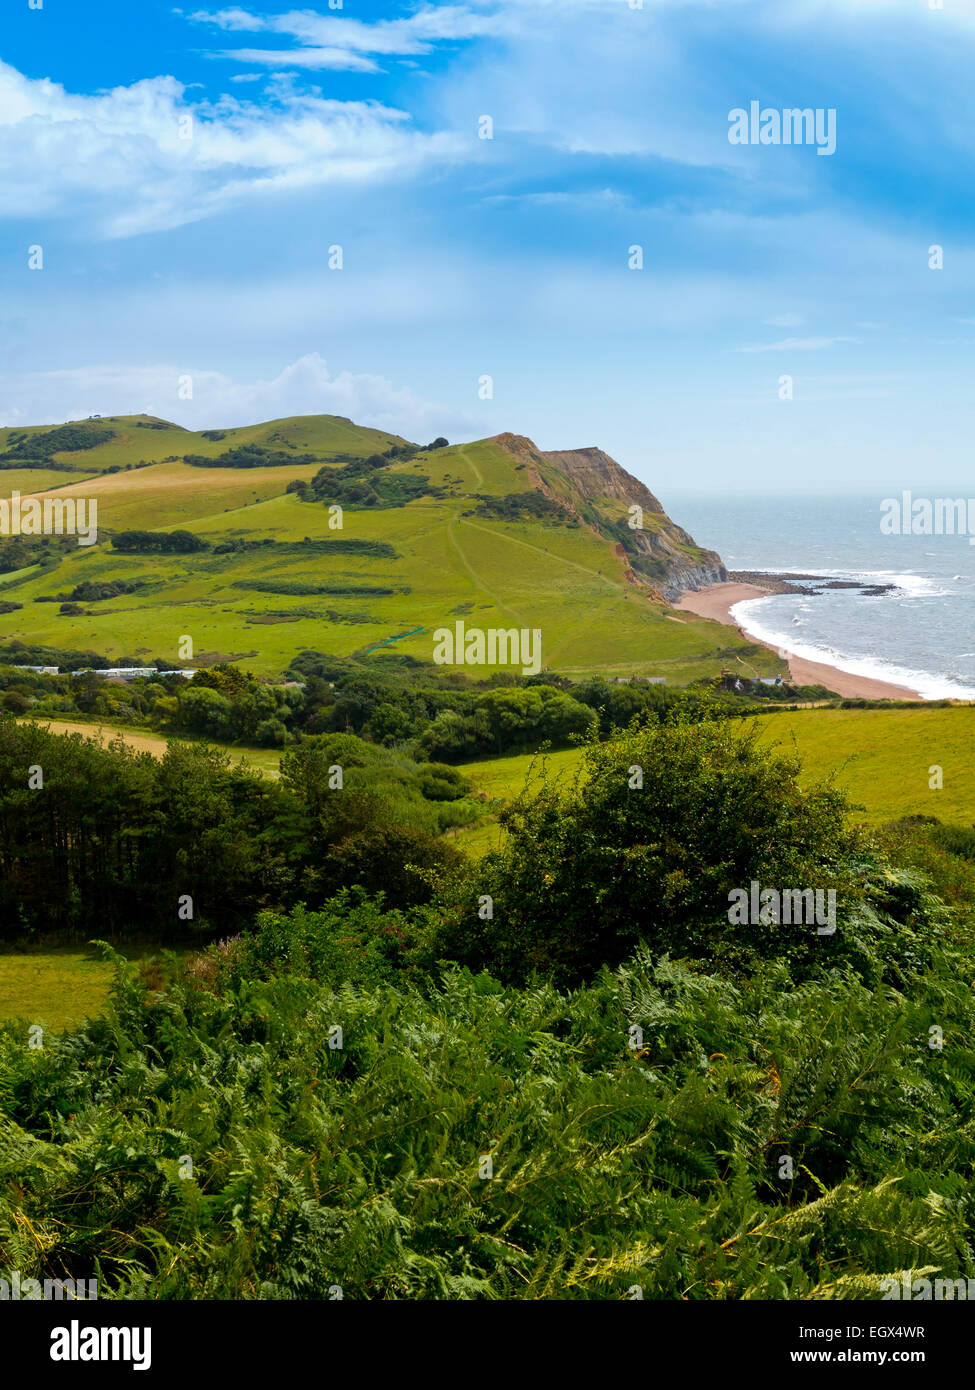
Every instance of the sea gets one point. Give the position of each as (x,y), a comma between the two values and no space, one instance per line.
(921,633)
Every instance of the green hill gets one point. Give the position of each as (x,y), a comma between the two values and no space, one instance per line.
(497,534)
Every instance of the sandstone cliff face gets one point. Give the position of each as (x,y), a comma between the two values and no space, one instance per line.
(598,475)
(661,554)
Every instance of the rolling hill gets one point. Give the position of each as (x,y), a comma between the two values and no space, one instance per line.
(496,533)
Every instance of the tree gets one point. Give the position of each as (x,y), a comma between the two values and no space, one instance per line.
(661,825)
(229,680)
(207,712)
(563,718)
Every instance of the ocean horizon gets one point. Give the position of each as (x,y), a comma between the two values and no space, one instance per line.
(919,633)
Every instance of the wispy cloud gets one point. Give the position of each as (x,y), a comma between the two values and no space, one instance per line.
(332,41)
(144,158)
(796,345)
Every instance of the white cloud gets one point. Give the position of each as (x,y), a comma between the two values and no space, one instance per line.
(306,387)
(143,158)
(784,320)
(233,18)
(337,59)
(584,199)
(332,41)
(797,345)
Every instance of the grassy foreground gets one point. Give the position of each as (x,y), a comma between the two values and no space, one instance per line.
(56,988)
(365,1102)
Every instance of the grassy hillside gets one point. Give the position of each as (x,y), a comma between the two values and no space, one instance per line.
(558,573)
(882,757)
(129,439)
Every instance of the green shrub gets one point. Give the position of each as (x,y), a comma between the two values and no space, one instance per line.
(661,825)
(352,939)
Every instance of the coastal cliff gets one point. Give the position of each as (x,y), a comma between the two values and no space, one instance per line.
(601,493)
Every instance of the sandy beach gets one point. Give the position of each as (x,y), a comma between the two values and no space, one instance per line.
(717,602)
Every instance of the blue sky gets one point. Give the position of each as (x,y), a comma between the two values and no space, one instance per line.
(166,256)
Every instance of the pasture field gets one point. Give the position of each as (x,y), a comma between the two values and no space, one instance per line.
(56,988)
(504,777)
(885,758)
(882,757)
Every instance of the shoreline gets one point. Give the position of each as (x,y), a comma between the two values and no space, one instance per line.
(716,603)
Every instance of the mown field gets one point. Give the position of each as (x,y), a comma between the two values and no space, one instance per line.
(55,988)
(27,481)
(58,987)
